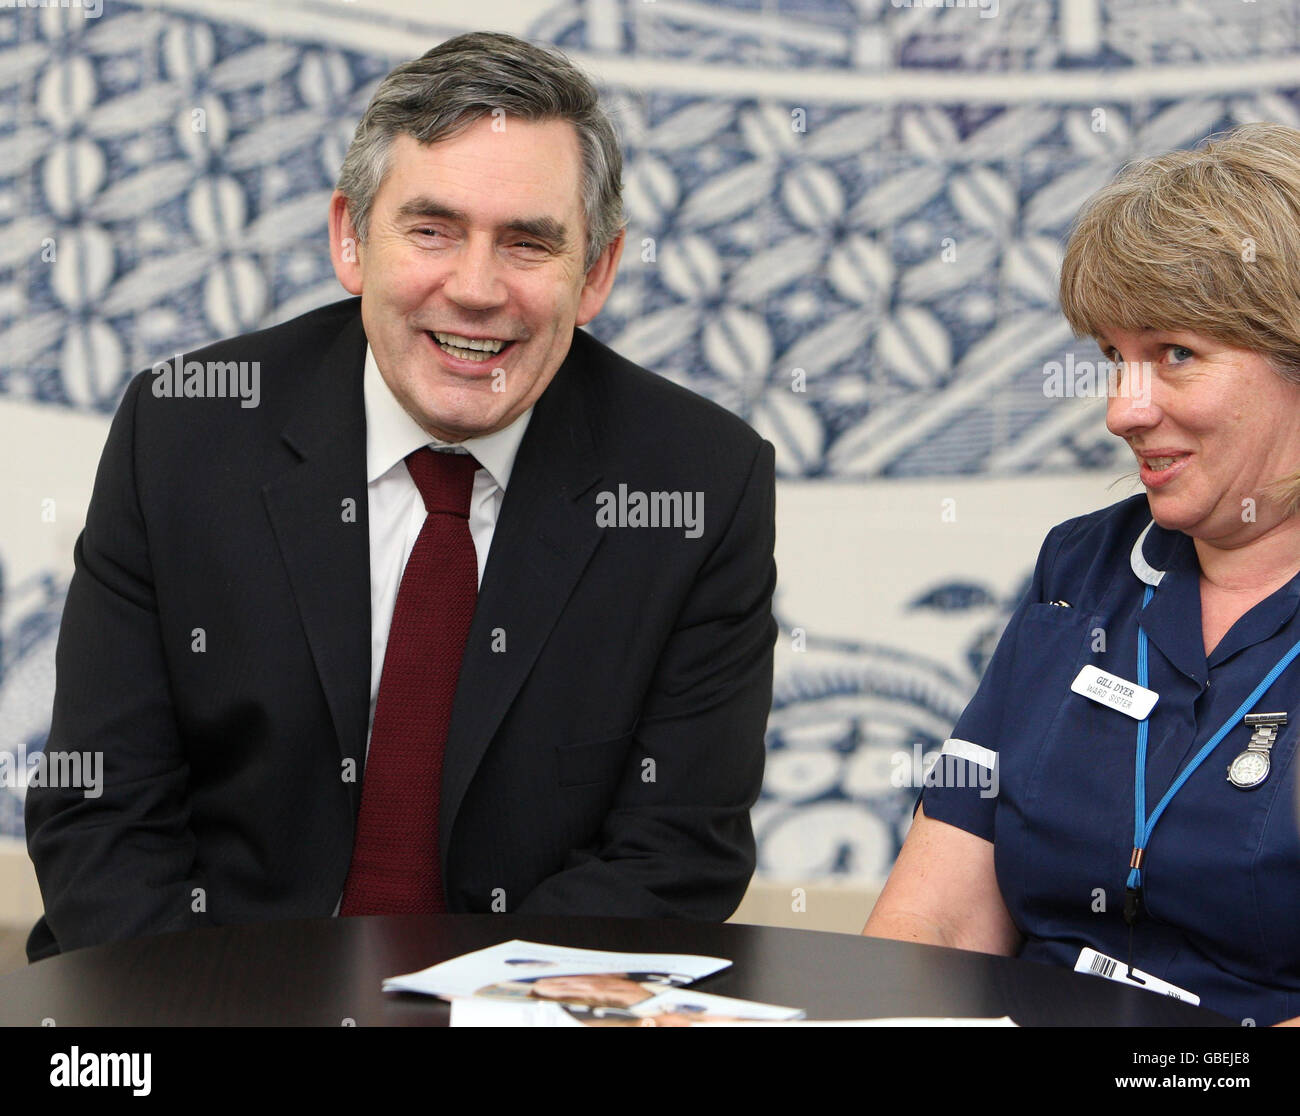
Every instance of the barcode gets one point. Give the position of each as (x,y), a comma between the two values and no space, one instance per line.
(1104,966)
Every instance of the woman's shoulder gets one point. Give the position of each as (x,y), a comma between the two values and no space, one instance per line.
(1093,546)
(1126,519)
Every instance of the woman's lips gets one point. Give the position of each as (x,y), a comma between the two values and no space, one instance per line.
(1174,462)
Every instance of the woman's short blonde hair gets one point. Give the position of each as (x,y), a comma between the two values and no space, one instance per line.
(1205,240)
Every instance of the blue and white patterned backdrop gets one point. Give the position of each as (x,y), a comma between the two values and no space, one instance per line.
(859,198)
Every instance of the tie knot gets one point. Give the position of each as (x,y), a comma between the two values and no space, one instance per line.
(445,479)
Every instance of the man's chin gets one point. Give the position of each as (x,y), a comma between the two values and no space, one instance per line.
(455,434)
(453,425)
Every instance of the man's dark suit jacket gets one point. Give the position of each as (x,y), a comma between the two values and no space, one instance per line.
(603,763)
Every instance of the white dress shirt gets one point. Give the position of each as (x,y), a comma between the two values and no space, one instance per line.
(397,509)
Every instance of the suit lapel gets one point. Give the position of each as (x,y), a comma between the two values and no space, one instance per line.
(326,553)
(544,537)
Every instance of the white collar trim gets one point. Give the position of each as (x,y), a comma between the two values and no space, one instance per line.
(1137,559)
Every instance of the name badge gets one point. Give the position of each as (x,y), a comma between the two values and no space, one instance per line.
(1110,968)
(1116,692)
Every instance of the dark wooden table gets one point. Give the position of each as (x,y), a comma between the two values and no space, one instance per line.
(322,972)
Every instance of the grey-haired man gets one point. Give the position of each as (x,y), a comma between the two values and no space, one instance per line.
(324,682)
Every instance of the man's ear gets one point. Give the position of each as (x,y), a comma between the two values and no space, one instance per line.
(345,245)
(599,280)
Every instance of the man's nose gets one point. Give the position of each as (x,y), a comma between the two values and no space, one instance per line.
(476,281)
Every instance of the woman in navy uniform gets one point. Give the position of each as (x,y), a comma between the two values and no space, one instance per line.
(1068,820)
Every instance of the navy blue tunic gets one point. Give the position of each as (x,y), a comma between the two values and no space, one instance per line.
(1222,875)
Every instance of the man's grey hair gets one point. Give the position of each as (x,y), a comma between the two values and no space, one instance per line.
(471,76)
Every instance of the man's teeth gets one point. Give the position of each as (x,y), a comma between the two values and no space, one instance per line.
(1157,464)
(468,348)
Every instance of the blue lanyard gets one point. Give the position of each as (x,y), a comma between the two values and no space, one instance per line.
(1142,825)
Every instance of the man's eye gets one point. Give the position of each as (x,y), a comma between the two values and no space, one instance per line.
(1179,354)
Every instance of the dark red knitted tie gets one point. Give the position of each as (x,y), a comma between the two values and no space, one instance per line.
(395,867)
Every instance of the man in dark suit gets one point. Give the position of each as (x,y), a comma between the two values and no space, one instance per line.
(332,670)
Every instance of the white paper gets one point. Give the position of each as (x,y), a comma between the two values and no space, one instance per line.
(898,1021)
(496,1013)
(1111,968)
(678,1007)
(518,970)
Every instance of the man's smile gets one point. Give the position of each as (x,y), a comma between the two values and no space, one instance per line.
(470,348)
(462,353)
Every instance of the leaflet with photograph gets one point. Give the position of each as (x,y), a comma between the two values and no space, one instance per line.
(899,1021)
(677,1007)
(529,971)
(671,1010)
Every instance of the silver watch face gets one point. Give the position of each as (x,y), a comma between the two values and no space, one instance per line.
(1248,770)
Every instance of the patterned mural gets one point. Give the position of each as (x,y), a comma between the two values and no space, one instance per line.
(845,221)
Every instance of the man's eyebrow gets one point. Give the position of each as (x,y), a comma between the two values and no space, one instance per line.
(427,207)
(543,228)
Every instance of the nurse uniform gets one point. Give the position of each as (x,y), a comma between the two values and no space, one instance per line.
(1049,775)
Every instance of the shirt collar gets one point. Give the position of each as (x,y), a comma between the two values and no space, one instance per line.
(1138,560)
(392,434)
(1173,619)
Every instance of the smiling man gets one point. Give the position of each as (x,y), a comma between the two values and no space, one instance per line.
(473,272)
(370,646)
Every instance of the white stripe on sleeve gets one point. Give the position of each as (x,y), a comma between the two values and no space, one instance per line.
(964,749)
